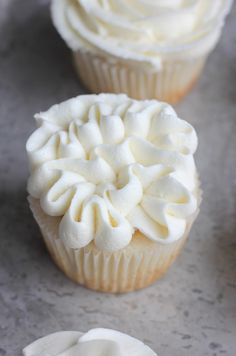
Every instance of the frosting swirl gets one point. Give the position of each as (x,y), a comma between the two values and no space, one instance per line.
(141,30)
(109,165)
(96,342)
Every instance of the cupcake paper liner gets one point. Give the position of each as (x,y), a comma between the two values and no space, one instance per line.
(171,83)
(134,267)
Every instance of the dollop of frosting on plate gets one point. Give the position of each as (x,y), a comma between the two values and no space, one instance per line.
(110,165)
(141,30)
(96,342)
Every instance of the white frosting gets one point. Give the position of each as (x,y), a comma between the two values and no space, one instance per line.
(96,342)
(144,31)
(109,165)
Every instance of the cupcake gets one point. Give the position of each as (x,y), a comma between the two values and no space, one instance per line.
(96,342)
(113,187)
(146,49)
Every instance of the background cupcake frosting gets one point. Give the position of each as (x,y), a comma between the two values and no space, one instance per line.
(96,342)
(109,165)
(138,30)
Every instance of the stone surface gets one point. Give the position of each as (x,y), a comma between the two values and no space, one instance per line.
(192,311)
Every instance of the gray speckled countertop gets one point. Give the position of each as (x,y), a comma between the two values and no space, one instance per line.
(191,311)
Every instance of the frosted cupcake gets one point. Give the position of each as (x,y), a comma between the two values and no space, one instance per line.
(146,49)
(96,342)
(113,187)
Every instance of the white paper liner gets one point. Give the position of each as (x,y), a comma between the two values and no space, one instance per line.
(170,84)
(134,267)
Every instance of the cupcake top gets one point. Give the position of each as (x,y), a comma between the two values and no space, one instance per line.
(96,342)
(110,165)
(144,31)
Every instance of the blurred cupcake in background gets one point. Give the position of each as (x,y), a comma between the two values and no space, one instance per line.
(146,49)
(114,188)
(95,342)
